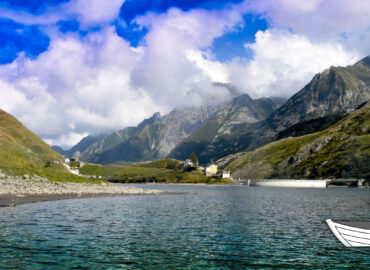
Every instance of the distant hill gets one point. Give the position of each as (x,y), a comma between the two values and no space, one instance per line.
(341,151)
(329,97)
(22,152)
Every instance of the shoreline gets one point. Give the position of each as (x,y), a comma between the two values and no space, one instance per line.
(14,191)
(183,184)
(12,200)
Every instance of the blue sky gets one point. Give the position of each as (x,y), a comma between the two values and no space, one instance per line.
(16,37)
(69,68)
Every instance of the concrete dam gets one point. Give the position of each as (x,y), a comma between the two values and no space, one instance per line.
(299,183)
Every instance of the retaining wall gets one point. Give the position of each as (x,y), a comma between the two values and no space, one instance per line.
(288,183)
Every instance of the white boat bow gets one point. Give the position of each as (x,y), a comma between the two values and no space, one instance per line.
(351,234)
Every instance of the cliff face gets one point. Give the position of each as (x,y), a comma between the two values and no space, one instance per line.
(227,125)
(80,147)
(335,90)
(330,96)
(153,138)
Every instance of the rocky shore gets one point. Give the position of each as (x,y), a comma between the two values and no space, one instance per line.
(17,190)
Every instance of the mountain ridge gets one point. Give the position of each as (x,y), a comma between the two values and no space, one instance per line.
(153,138)
(239,113)
(340,151)
(335,91)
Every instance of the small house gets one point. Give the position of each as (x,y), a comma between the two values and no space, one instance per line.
(211,170)
(67,161)
(188,163)
(226,174)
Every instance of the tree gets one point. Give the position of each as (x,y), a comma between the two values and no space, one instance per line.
(193,158)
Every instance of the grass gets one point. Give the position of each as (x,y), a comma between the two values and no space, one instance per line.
(22,152)
(74,164)
(140,173)
(165,163)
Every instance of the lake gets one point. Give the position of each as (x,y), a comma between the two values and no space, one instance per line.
(208,227)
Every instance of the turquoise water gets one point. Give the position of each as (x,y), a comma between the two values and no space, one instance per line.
(206,228)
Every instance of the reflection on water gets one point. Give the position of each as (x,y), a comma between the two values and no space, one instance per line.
(208,227)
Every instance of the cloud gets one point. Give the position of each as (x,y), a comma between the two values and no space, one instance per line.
(98,82)
(78,86)
(212,68)
(320,20)
(89,13)
(284,62)
(85,84)
(94,12)
(165,70)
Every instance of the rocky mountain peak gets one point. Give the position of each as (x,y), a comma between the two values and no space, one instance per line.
(242,100)
(365,61)
(155,117)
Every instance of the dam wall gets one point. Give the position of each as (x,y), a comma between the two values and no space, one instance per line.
(298,183)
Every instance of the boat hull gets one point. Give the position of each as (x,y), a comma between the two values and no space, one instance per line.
(351,236)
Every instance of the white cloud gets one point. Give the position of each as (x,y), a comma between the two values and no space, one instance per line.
(214,69)
(88,12)
(66,139)
(320,20)
(100,83)
(165,70)
(77,86)
(284,62)
(94,12)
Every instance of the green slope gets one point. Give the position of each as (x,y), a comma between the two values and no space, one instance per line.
(160,171)
(22,152)
(341,151)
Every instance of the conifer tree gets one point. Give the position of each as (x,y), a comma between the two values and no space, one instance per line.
(193,158)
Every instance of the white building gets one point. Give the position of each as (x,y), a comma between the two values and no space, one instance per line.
(211,170)
(226,174)
(188,163)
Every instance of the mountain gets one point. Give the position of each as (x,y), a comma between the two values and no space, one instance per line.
(341,151)
(154,138)
(22,152)
(335,90)
(330,95)
(227,125)
(104,144)
(80,147)
(58,149)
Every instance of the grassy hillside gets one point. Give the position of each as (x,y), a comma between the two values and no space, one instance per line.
(341,151)
(160,171)
(164,163)
(22,152)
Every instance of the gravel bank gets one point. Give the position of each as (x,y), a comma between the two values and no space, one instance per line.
(15,191)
